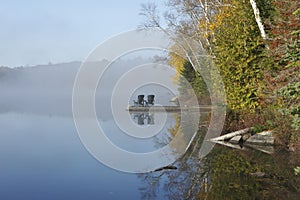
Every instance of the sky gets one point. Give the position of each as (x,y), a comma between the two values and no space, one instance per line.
(53,31)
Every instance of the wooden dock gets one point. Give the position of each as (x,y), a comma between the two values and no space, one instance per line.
(168,109)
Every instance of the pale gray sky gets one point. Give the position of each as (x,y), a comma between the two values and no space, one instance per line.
(37,32)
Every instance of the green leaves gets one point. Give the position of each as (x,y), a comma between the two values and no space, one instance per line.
(190,77)
(240,56)
(291,97)
(291,91)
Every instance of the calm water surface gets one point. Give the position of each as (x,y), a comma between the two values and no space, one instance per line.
(42,158)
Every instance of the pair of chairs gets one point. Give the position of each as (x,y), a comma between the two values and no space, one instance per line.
(141,102)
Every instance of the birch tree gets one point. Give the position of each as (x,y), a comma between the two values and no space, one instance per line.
(258,19)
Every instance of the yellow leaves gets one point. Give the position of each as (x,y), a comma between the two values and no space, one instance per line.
(176,61)
(216,22)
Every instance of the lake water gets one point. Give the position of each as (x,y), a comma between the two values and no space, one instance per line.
(42,157)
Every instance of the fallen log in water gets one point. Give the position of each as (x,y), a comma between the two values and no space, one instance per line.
(235,146)
(263,148)
(260,141)
(165,168)
(231,135)
(263,138)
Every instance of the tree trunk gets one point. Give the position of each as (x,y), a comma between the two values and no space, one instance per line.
(258,19)
(231,135)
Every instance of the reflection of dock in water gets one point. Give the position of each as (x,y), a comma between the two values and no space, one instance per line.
(168,109)
(141,117)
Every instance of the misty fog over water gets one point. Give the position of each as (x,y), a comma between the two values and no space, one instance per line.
(41,154)
(47,89)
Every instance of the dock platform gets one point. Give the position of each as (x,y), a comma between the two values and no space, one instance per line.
(168,109)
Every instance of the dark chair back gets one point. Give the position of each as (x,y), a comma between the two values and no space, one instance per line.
(141,99)
(151,99)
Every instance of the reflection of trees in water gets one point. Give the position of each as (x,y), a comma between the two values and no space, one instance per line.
(184,130)
(182,183)
(230,176)
(251,175)
(190,175)
(225,174)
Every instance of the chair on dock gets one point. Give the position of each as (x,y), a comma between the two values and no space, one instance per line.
(150,99)
(140,101)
